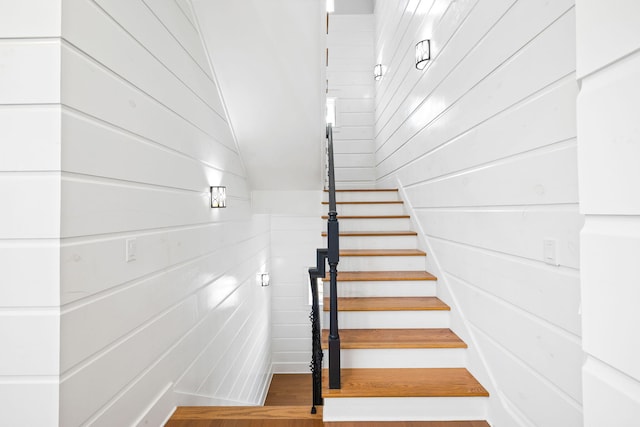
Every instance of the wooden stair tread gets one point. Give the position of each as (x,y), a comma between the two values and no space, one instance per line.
(382,276)
(284,416)
(367,202)
(405,382)
(374,233)
(396,338)
(363,190)
(382,252)
(244,412)
(370,216)
(475,423)
(388,304)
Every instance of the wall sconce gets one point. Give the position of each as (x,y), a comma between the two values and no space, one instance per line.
(423,53)
(377,72)
(218,197)
(264,279)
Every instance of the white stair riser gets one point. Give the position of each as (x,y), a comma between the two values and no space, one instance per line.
(368,209)
(405,409)
(382,263)
(390,319)
(400,358)
(418,288)
(376,242)
(389,224)
(363,196)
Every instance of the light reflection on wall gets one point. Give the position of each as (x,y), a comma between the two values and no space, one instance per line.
(427,112)
(220,289)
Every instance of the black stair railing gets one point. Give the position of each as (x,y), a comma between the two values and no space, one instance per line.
(332,255)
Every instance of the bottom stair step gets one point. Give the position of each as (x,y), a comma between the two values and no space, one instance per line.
(403,394)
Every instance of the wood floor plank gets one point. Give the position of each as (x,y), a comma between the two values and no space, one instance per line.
(381,252)
(405,382)
(245,412)
(396,338)
(289,390)
(382,276)
(245,423)
(388,304)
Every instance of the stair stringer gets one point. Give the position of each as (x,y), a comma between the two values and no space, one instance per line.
(501,412)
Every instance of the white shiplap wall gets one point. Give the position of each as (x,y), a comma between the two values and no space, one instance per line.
(29,212)
(143,135)
(608,46)
(482,144)
(350,82)
(296,228)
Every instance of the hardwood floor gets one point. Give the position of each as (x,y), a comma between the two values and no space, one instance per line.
(245,416)
(289,390)
(287,405)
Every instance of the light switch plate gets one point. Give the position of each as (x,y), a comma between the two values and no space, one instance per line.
(131,250)
(550,253)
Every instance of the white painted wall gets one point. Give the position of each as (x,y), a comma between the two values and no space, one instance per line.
(350,81)
(296,228)
(482,144)
(608,46)
(268,58)
(354,7)
(30,212)
(115,131)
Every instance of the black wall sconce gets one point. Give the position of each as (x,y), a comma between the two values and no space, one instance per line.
(264,279)
(377,72)
(218,197)
(423,53)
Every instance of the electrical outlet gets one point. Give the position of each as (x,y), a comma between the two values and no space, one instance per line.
(550,253)
(131,249)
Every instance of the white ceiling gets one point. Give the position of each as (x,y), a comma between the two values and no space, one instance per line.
(354,7)
(268,59)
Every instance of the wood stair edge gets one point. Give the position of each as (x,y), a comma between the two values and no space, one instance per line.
(388,304)
(244,412)
(362,190)
(381,252)
(383,276)
(369,217)
(369,202)
(402,338)
(405,382)
(465,423)
(383,233)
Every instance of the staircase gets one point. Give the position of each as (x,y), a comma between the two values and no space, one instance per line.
(400,360)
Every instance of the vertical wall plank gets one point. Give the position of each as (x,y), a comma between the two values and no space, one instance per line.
(608,141)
